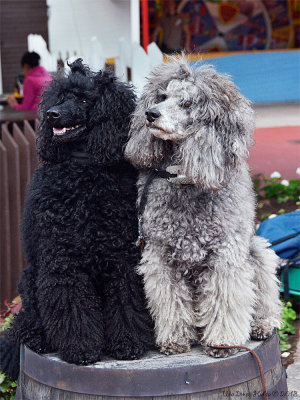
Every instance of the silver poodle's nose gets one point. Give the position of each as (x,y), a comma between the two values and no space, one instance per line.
(53,114)
(152,114)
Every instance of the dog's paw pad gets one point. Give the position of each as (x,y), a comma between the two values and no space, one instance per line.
(174,348)
(219,353)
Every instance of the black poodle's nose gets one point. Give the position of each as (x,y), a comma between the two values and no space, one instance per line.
(53,114)
(152,114)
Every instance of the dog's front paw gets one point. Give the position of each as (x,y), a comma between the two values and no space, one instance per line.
(261,330)
(219,352)
(174,348)
(127,349)
(81,356)
(37,345)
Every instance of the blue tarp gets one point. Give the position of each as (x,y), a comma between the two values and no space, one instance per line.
(279,227)
(263,77)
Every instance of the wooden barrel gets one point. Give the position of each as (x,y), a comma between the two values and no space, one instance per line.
(188,376)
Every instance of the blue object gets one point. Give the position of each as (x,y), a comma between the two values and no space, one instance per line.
(279,227)
(263,77)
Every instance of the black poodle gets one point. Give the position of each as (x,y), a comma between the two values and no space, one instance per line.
(81,295)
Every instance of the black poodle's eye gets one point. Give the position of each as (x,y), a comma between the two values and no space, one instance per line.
(161,98)
(187,103)
(83,101)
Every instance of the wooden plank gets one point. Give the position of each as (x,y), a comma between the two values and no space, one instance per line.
(17,20)
(25,167)
(36,124)
(31,137)
(5,259)
(14,204)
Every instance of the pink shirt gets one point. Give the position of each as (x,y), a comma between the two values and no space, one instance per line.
(34,83)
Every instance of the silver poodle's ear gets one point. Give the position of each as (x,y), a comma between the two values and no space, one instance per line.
(221,132)
(143,149)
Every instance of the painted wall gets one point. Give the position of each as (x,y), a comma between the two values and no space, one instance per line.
(223,25)
(72,23)
(264,77)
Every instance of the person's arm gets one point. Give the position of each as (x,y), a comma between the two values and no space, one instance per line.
(181,6)
(187,44)
(28,97)
(11,101)
(155,33)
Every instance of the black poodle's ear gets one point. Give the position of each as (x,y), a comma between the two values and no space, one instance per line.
(78,66)
(110,119)
(218,139)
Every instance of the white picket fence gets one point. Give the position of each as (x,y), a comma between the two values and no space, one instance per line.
(130,56)
(141,64)
(37,43)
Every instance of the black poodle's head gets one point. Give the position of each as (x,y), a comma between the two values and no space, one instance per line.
(85,111)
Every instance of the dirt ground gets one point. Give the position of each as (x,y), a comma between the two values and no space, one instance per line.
(271,206)
(293,340)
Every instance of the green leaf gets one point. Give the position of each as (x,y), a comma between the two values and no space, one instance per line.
(3,387)
(285,346)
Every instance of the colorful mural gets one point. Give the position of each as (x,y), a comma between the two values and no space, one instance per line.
(221,25)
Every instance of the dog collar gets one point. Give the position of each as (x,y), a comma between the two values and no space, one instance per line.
(80,157)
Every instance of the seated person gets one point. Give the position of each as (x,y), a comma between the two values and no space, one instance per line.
(172,24)
(36,77)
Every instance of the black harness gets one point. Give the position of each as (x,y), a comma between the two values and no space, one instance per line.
(142,205)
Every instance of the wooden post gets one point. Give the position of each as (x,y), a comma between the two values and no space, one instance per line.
(145,19)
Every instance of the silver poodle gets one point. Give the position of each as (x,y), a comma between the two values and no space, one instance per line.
(207,277)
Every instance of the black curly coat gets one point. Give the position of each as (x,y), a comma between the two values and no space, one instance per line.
(81,295)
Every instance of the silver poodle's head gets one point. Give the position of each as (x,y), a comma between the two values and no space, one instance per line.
(196,114)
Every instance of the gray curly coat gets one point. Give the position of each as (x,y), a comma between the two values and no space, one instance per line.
(207,276)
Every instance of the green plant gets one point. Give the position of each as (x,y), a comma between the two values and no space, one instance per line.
(288,315)
(274,187)
(264,216)
(7,386)
(283,192)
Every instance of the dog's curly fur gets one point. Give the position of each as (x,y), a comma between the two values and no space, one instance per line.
(205,272)
(81,294)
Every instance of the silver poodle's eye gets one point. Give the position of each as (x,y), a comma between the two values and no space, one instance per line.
(187,103)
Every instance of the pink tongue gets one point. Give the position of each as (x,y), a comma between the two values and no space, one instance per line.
(57,131)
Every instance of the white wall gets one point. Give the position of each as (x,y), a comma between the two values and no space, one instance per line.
(72,24)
